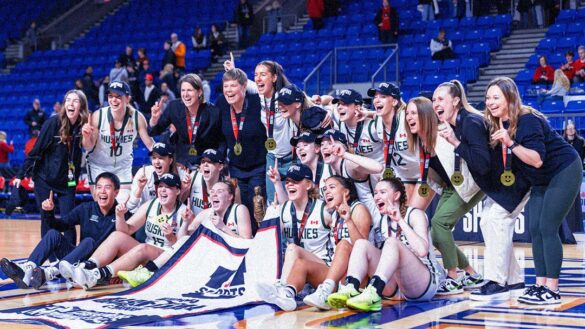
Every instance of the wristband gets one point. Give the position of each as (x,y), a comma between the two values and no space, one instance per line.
(514,145)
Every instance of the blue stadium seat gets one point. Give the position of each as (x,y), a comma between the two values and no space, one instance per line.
(552,106)
(576,107)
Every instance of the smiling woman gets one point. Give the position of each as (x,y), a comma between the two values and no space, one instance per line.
(245,134)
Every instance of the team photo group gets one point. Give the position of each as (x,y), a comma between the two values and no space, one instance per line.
(349,176)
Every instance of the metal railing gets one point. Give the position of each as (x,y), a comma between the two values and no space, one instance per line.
(328,69)
(318,72)
(282,22)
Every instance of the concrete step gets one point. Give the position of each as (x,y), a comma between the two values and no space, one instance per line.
(497,66)
(504,61)
(525,45)
(513,41)
(517,57)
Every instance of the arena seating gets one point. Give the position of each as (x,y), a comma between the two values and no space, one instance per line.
(49,74)
(355,28)
(566,34)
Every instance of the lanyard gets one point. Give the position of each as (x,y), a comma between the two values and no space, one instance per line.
(113,129)
(205,196)
(507,157)
(356,138)
(389,142)
(338,228)
(423,162)
(227,214)
(237,127)
(192,129)
(270,112)
(318,174)
(293,212)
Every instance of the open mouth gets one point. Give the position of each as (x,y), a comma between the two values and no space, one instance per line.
(70,110)
(103,198)
(231,98)
(440,113)
(303,156)
(381,205)
(327,156)
(260,86)
(158,169)
(292,191)
(163,197)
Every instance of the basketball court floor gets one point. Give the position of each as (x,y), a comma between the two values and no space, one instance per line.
(18,237)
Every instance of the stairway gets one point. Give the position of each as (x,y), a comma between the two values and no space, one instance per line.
(231,35)
(508,61)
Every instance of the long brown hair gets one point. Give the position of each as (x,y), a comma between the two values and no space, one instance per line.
(427,121)
(515,107)
(65,129)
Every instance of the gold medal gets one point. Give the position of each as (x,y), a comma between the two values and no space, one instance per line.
(388,173)
(423,190)
(238,149)
(270,144)
(161,219)
(457,179)
(508,178)
(192,151)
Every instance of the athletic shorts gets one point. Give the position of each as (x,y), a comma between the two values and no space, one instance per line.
(124,173)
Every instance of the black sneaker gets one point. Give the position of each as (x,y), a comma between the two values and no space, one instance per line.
(20,274)
(542,296)
(491,291)
(529,292)
(516,289)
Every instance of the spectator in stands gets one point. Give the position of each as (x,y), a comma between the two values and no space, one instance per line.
(426,9)
(560,88)
(56,109)
(78,84)
(574,217)
(441,47)
(127,58)
(273,13)
(167,76)
(460,8)
(134,83)
(55,160)
(150,94)
(118,72)
(530,10)
(216,42)
(544,73)
(198,39)
(244,18)
(89,88)
(180,51)
(31,36)
(169,55)
(5,148)
(35,118)
(580,65)
(315,10)
(103,91)
(146,69)
(568,68)
(386,21)
(164,90)
(141,59)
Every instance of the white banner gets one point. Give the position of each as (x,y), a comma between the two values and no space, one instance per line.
(212,271)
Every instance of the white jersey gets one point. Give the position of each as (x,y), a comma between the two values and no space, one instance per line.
(148,192)
(230,219)
(198,188)
(340,231)
(430,260)
(369,145)
(326,172)
(364,188)
(316,237)
(382,229)
(155,220)
(103,155)
(283,131)
(404,162)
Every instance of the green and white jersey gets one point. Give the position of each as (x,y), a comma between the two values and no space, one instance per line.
(155,220)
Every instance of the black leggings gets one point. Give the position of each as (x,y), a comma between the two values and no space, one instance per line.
(547,208)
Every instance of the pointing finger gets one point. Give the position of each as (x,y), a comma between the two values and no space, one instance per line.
(51,196)
(232,58)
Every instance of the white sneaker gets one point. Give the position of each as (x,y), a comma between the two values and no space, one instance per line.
(86,279)
(66,269)
(277,294)
(318,299)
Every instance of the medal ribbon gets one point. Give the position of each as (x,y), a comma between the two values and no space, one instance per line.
(238,126)
(293,213)
(113,128)
(205,196)
(507,157)
(192,129)
(357,136)
(270,112)
(318,174)
(424,159)
(389,142)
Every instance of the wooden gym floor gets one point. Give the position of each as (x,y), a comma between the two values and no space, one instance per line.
(18,237)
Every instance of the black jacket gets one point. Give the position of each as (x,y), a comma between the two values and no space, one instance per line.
(169,58)
(147,104)
(579,145)
(244,14)
(209,134)
(35,116)
(48,160)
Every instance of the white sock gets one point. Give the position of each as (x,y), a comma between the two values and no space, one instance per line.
(329,285)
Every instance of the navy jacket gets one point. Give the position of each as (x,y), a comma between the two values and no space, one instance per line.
(48,159)
(535,133)
(209,134)
(92,223)
(253,135)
